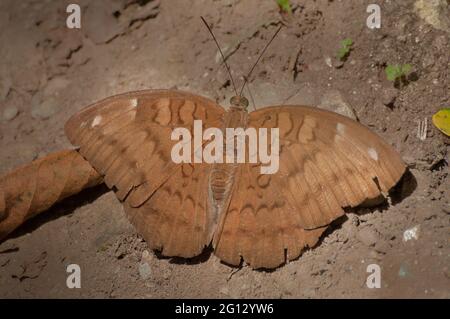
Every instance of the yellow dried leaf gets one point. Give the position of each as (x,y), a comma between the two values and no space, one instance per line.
(442,121)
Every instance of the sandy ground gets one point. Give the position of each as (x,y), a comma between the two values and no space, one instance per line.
(48,72)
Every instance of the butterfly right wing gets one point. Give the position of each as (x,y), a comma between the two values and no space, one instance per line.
(326,162)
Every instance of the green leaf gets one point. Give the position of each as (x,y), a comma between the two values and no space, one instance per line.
(342,52)
(392,72)
(406,68)
(347,43)
(285,5)
(345,48)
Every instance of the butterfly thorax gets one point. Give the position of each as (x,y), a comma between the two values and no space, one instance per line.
(239,101)
(222,176)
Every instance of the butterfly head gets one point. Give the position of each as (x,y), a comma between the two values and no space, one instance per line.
(239,101)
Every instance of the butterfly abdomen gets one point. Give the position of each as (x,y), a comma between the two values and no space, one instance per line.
(220,182)
(222,175)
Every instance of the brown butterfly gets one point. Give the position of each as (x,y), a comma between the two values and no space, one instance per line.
(326,162)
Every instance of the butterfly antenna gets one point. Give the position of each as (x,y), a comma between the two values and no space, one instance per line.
(259,58)
(221,53)
(251,97)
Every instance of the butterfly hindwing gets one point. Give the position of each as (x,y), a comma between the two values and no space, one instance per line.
(260,225)
(175,220)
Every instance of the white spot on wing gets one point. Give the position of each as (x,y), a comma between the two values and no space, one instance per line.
(340,128)
(97,120)
(373,153)
(134,102)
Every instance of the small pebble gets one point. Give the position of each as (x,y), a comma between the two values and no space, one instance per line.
(402,272)
(10,112)
(389,96)
(45,109)
(144,270)
(367,236)
(412,233)
(335,102)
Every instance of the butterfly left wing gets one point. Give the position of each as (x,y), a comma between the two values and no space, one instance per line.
(127,138)
(326,162)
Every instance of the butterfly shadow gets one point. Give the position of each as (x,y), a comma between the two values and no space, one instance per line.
(63,208)
(403,189)
(199,259)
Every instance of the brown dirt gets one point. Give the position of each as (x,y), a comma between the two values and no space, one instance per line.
(166,46)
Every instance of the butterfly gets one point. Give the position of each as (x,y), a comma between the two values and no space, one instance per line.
(327,162)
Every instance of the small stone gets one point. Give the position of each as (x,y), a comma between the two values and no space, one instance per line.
(375,255)
(335,102)
(167,274)
(348,230)
(45,109)
(434,12)
(10,112)
(367,236)
(412,233)
(338,63)
(428,61)
(147,256)
(55,85)
(403,271)
(382,247)
(144,270)
(389,96)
